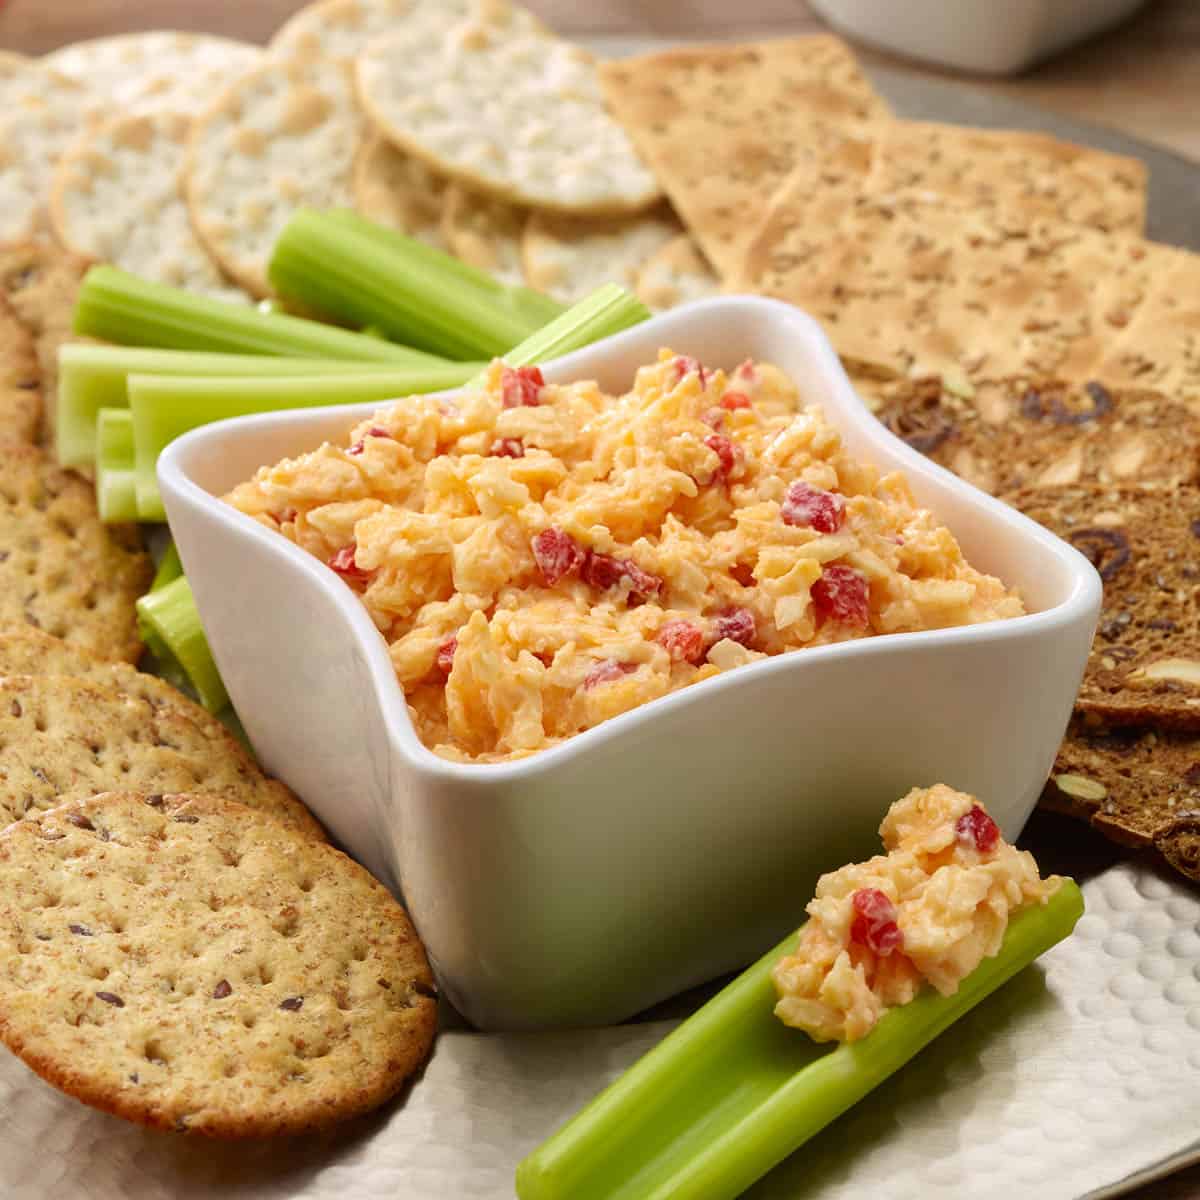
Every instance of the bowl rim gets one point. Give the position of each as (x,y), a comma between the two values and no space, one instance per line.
(1083,594)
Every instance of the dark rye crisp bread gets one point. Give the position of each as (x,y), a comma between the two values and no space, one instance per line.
(1139,787)
(192,965)
(1017,433)
(1144,667)
(20,380)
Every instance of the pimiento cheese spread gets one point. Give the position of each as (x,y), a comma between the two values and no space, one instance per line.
(928,911)
(541,557)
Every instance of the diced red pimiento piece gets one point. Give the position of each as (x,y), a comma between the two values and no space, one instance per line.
(736,624)
(520,386)
(725,450)
(735,400)
(603,571)
(374,432)
(607,671)
(684,364)
(977,829)
(343,563)
(874,922)
(714,418)
(812,508)
(445,654)
(841,595)
(684,641)
(557,555)
(742,573)
(508,448)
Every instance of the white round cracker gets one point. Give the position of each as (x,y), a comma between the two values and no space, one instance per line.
(118,197)
(569,257)
(279,137)
(507,111)
(156,70)
(41,114)
(400,191)
(677,274)
(485,232)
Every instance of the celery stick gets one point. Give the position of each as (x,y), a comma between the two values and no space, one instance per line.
(733,1091)
(170,627)
(394,283)
(116,490)
(92,377)
(165,406)
(170,567)
(118,307)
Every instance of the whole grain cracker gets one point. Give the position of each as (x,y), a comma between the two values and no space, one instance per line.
(677,273)
(281,136)
(189,964)
(484,232)
(65,738)
(569,257)
(506,110)
(400,191)
(156,70)
(29,651)
(61,569)
(1144,665)
(722,127)
(117,197)
(20,380)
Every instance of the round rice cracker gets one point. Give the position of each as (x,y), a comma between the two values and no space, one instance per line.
(20,380)
(61,569)
(156,70)
(394,189)
(485,232)
(569,257)
(188,964)
(516,114)
(117,197)
(281,136)
(677,273)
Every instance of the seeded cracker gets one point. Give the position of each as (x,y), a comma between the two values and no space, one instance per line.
(160,70)
(20,380)
(677,273)
(1144,666)
(484,232)
(117,197)
(281,136)
(504,110)
(397,190)
(30,652)
(723,126)
(189,964)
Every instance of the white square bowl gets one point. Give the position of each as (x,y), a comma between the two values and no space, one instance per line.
(674,842)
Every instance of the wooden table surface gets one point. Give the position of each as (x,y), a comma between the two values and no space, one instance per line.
(1143,78)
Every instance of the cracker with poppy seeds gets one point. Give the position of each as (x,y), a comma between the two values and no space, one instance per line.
(1138,786)
(1015,433)
(189,964)
(1144,666)
(63,738)
(20,380)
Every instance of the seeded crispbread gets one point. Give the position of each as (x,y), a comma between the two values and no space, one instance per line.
(504,109)
(676,273)
(192,965)
(723,126)
(1137,786)
(65,738)
(484,232)
(395,189)
(569,257)
(61,569)
(20,380)
(155,70)
(1017,433)
(1144,666)
(281,136)
(117,197)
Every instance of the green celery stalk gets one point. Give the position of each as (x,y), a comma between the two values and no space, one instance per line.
(410,291)
(170,627)
(92,377)
(733,1091)
(165,406)
(118,307)
(170,567)
(116,490)
(608,310)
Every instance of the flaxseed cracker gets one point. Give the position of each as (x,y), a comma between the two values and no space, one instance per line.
(1139,787)
(722,127)
(485,232)
(64,738)
(20,380)
(395,189)
(61,569)
(191,965)
(1144,666)
(677,273)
